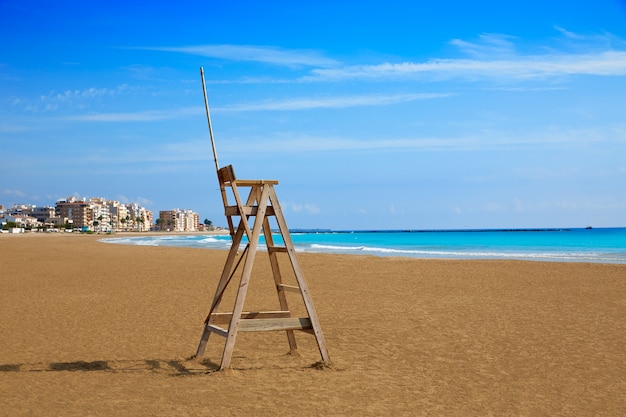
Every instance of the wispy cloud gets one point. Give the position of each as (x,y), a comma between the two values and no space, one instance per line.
(609,63)
(334,102)
(68,99)
(308,208)
(11,126)
(265,54)
(16,193)
(494,140)
(276,105)
(139,200)
(488,45)
(569,34)
(496,56)
(590,41)
(143,116)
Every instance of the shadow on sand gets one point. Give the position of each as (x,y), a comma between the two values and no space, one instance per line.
(175,367)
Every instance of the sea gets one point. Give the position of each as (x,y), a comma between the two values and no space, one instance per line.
(600,245)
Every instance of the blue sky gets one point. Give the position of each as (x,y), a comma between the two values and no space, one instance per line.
(372,115)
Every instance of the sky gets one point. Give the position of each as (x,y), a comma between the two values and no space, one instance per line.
(372,115)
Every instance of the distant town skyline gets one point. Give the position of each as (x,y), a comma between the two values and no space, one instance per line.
(99,214)
(394,115)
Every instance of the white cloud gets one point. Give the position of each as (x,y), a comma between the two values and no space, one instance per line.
(493,207)
(17,193)
(568,34)
(264,54)
(88,93)
(143,116)
(290,104)
(495,56)
(488,45)
(143,201)
(608,63)
(334,102)
(301,207)
(501,139)
(68,99)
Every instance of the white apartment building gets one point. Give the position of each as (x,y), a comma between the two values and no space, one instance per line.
(178,220)
(139,219)
(101,217)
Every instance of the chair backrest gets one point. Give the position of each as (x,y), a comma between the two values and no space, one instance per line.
(226,175)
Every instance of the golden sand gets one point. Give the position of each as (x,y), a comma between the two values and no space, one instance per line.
(95,329)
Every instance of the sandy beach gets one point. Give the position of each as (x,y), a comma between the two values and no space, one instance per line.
(96,329)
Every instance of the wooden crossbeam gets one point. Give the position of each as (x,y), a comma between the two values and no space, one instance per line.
(217,330)
(260,325)
(247,211)
(223,318)
(263,325)
(290,288)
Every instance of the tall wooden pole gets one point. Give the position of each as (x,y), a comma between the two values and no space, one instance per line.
(217,165)
(208,118)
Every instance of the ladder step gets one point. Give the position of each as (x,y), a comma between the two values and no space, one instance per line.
(276,249)
(265,324)
(217,330)
(224,318)
(247,210)
(262,325)
(290,288)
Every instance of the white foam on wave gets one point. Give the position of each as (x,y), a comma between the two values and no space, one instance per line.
(182,241)
(211,239)
(469,254)
(334,247)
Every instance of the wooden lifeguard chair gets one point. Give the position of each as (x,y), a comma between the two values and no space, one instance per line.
(253,215)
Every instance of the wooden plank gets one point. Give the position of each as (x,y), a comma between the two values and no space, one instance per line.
(253,241)
(217,330)
(247,210)
(243,219)
(290,288)
(251,183)
(226,174)
(224,318)
(278,280)
(306,296)
(277,249)
(263,325)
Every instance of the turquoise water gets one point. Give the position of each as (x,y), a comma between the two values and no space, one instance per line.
(605,245)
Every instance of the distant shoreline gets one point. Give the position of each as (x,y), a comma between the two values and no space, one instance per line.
(313,231)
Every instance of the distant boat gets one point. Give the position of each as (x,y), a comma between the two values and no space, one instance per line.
(588,227)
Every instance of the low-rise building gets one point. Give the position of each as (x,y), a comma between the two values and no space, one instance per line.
(21,221)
